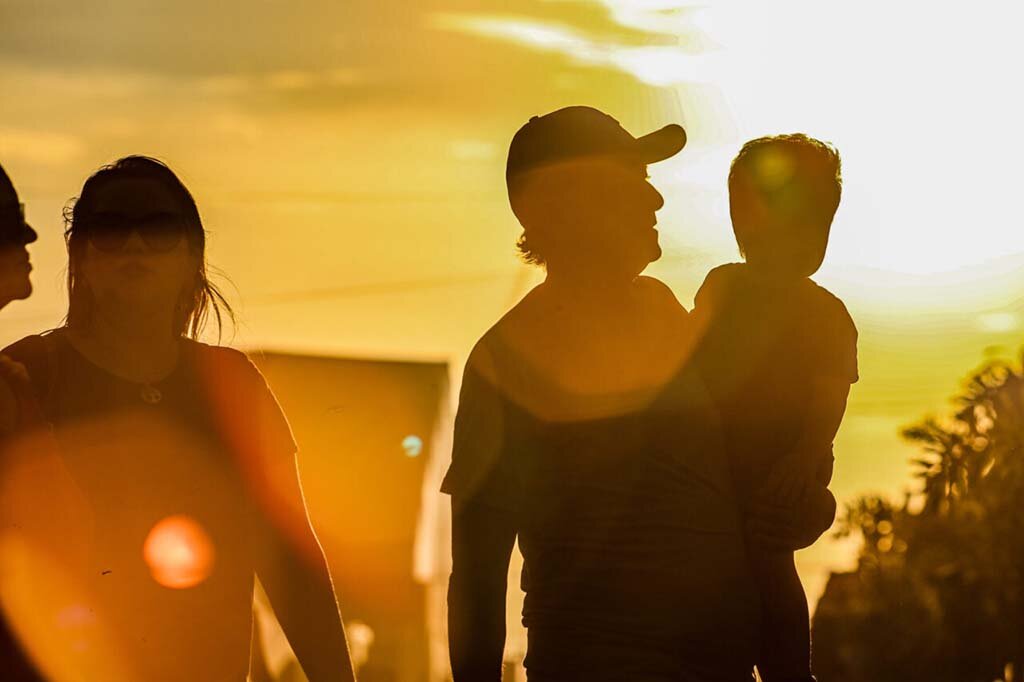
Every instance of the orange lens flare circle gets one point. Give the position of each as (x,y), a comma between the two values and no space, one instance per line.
(179,552)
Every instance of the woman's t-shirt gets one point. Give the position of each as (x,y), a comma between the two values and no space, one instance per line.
(136,532)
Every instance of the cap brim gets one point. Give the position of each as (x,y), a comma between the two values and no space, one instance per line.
(661,144)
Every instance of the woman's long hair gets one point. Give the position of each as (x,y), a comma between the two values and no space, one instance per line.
(194,307)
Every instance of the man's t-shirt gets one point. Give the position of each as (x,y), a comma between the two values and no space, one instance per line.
(762,343)
(630,534)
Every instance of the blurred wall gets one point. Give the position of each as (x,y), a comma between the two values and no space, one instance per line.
(367,432)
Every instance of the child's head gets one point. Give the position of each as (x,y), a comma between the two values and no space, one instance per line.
(783,192)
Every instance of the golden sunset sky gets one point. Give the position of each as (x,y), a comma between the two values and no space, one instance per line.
(348,157)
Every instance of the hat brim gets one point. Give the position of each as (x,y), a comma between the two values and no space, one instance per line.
(661,144)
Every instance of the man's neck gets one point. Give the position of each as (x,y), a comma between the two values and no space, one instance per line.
(584,285)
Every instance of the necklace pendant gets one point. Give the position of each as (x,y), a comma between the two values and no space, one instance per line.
(151,395)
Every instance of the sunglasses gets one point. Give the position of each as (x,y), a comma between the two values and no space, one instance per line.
(110,231)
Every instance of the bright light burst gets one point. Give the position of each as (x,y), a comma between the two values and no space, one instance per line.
(179,552)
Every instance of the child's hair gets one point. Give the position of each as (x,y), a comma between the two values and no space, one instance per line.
(783,180)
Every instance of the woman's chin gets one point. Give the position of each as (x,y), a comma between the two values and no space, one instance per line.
(140,301)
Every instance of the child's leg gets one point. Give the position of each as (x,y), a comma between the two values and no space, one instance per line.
(785,624)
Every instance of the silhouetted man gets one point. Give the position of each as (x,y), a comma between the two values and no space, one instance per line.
(583,432)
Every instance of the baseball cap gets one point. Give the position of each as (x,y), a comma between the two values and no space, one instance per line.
(581,131)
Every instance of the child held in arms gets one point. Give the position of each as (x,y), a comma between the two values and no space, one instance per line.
(779,354)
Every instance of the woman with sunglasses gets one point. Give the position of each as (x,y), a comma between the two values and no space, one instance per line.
(177,468)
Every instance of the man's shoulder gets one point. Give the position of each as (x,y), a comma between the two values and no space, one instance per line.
(655,288)
(658,295)
(516,329)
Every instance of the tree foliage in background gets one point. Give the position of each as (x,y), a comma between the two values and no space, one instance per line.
(938,593)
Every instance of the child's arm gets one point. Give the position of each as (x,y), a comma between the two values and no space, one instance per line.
(810,463)
(797,521)
(797,506)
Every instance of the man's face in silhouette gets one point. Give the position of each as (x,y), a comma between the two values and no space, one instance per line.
(594,213)
(15,235)
(148,270)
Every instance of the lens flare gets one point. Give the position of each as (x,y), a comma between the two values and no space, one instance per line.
(179,552)
(412,445)
(360,639)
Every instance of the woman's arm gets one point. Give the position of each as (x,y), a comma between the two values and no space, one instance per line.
(482,540)
(288,559)
(294,574)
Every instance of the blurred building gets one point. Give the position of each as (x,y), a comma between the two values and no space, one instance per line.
(374,437)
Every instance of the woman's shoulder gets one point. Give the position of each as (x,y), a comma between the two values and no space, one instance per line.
(215,353)
(241,398)
(223,366)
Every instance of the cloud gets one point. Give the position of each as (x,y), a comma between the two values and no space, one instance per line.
(380,49)
(42,147)
(656,65)
(678,22)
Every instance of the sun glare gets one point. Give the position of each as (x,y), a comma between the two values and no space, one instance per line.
(179,552)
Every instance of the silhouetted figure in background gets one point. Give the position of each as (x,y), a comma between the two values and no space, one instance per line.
(15,235)
(173,478)
(779,354)
(582,432)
